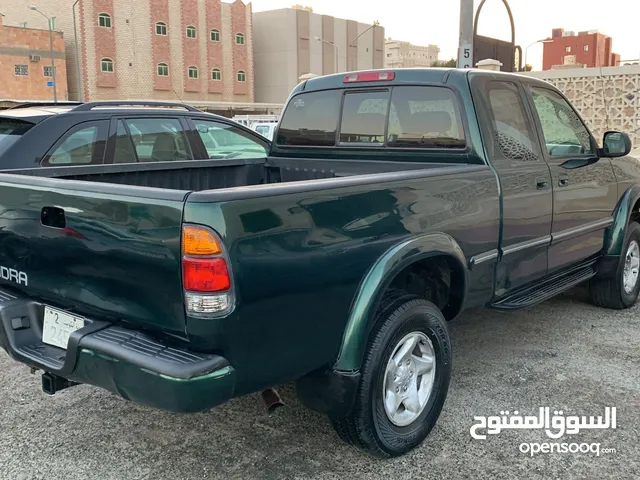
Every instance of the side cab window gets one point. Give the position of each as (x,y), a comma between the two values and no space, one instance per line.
(511,135)
(564,132)
(83,144)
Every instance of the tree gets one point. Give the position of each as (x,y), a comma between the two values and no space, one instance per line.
(442,63)
(297,6)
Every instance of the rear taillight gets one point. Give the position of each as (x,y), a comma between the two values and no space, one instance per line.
(205,273)
(369,77)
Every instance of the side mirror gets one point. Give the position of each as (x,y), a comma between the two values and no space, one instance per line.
(616,144)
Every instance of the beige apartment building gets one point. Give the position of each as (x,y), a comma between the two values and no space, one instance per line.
(290,43)
(190,50)
(398,54)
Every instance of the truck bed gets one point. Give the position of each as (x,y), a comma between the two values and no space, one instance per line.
(217,174)
(105,241)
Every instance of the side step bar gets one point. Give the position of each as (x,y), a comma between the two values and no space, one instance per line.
(532,295)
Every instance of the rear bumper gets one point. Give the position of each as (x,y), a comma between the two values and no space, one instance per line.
(127,362)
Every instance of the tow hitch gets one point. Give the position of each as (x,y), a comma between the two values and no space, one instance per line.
(52,383)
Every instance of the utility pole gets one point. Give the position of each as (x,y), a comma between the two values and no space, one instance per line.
(465,50)
(53,64)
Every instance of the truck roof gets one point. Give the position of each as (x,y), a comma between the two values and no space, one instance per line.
(432,75)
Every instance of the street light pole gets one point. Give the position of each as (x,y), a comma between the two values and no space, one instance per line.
(53,64)
(526,50)
(335,47)
(75,36)
(375,24)
(373,54)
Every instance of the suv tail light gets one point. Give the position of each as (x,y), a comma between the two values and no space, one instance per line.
(205,273)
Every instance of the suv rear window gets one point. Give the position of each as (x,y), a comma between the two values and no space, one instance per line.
(10,131)
(398,117)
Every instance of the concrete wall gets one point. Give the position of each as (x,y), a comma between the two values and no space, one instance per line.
(286,48)
(275,54)
(317,49)
(340,39)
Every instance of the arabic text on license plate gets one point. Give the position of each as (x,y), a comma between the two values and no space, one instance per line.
(58,325)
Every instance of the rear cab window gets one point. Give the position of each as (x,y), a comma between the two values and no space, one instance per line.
(404,117)
(11,129)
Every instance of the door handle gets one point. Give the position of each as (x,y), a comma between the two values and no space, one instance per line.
(563,181)
(53,217)
(541,184)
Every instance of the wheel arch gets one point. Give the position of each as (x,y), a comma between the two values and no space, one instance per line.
(379,278)
(627,205)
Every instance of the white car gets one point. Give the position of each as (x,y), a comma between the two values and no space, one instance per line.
(265,129)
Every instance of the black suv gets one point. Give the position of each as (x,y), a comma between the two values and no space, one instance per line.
(55,135)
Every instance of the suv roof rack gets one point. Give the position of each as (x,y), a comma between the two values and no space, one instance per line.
(85,107)
(62,103)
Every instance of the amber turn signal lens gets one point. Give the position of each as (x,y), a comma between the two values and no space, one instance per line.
(199,241)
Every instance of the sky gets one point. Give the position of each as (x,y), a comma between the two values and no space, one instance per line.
(424,22)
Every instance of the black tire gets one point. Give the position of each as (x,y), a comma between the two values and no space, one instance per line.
(609,292)
(367,426)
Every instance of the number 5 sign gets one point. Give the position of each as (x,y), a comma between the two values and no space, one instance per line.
(465,56)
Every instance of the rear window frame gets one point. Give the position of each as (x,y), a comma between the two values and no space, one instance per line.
(342,146)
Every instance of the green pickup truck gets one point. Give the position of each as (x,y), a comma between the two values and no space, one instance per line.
(390,201)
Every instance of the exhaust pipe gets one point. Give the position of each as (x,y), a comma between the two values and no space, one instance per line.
(271,400)
(52,383)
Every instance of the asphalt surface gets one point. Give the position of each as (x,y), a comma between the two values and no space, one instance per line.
(564,354)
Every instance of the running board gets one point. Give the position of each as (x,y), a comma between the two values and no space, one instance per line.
(550,288)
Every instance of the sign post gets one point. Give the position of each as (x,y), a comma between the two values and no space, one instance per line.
(465,50)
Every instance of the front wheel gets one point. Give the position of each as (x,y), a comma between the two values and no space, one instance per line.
(621,289)
(404,378)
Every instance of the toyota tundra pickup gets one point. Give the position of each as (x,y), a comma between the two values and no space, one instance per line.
(389,202)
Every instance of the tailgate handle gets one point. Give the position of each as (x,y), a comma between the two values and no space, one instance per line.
(53,217)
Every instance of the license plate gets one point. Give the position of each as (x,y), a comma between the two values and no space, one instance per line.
(58,326)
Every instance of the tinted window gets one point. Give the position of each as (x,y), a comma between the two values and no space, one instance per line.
(564,132)
(364,116)
(159,139)
(311,119)
(227,141)
(10,131)
(82,145)
(511,127)
(124,152)
(425,117)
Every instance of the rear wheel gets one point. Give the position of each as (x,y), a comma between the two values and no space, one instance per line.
(404,378)
(621,289)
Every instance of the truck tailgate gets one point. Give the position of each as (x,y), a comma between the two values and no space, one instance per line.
(97,249)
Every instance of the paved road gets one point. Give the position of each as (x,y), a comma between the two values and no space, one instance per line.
(563,354)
